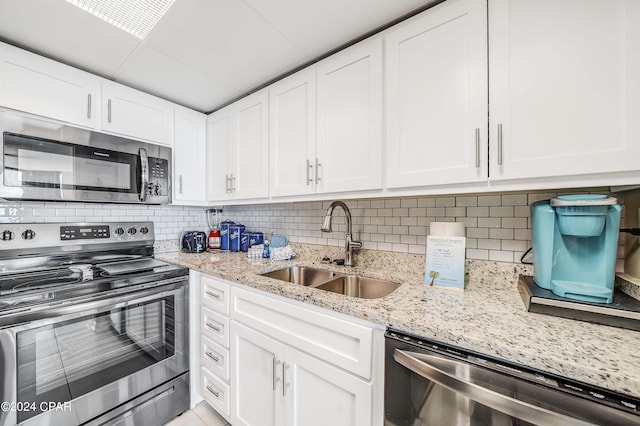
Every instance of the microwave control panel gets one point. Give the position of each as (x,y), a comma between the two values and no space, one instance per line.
(158,177)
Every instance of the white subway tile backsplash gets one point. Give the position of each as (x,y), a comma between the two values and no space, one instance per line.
(498,226)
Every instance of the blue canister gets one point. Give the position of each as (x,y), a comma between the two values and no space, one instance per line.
(244,241)
(256,238)
(224,234)
(234,236)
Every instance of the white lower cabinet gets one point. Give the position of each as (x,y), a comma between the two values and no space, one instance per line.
(213,377)
(286,366)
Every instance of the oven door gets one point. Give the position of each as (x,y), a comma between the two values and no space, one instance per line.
(73,366)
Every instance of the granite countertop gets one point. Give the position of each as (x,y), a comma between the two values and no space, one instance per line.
(488,317)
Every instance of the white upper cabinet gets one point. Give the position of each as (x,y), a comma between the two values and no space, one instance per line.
(237,150)
(189,167)
(135,114)
(436,96)
(47,88)
(565,88)
(292,134)
(349,119)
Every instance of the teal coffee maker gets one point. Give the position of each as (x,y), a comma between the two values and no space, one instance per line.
(575,243)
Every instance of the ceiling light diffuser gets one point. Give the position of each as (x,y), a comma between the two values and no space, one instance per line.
(137,17)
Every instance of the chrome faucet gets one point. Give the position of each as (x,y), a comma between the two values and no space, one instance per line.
(349,244)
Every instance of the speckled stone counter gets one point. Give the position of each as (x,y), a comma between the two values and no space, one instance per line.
(488,317)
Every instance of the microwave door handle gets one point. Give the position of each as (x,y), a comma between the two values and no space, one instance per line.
(426,366)
(144,175)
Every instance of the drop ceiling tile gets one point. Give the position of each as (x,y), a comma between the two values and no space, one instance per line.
(318,26)
(156,73)
(226,40)
(61,31)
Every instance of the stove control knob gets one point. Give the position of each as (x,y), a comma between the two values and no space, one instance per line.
(144,230)
(119,231)
(28,234)
(7,235)
(132,231)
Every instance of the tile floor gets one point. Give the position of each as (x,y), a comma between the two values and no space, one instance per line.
(201,415)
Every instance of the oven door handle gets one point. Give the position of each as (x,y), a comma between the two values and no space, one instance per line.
(144,174)
(443,372)
(98,305)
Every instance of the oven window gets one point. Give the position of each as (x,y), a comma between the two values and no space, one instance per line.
(63,361)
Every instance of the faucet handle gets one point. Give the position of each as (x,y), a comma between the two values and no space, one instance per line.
(355,244)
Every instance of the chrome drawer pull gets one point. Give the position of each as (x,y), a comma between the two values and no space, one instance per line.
(212,356)
(216,394)
(214,295)
(213,327)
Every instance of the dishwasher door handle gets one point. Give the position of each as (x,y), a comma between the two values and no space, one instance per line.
(434,368)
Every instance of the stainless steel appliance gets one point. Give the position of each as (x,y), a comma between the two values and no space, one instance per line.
(93,328)
(47,160)
(429,383)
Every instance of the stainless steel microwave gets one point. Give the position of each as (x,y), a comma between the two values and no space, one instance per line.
(48,160)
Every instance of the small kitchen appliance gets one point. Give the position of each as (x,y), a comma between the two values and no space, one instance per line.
(194,242)
(575,242)
(213,219)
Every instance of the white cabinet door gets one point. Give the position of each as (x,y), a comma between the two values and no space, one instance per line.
(44,87)
(135,114)
(319,394)
(251,145)
(292,134)
(189,153)
(565,87)
(256,374)
(436,94)
(219,127)
(349,134)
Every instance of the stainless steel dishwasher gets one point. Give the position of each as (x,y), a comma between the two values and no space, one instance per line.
(429,383)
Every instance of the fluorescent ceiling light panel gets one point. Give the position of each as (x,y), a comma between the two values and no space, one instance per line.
(137,17)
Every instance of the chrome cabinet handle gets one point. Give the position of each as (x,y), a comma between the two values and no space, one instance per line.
(233,183)
(274,377)
(212,356)
(213,327)
(318,165)
(477,148)
(216,394)
(214,295)
(180,181)
(109,111)
(309,168)
(284,378)
(499,144)
(226,183)
(444,372)
(89,105)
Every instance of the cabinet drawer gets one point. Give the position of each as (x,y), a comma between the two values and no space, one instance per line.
(338,341)
(214,357)
(215,326)
(214,391)
(215,295)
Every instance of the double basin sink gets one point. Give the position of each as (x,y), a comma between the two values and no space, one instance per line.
(323,279)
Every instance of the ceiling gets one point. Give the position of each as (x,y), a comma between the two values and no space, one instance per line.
(203,53)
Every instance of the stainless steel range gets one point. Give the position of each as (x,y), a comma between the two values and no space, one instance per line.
(93,329)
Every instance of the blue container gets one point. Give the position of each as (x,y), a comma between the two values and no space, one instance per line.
(234,236)
(244,241)
(224,234)
(256,238)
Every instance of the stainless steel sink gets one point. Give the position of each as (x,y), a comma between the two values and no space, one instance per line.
(365,288)
(301,275)
(349,285)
